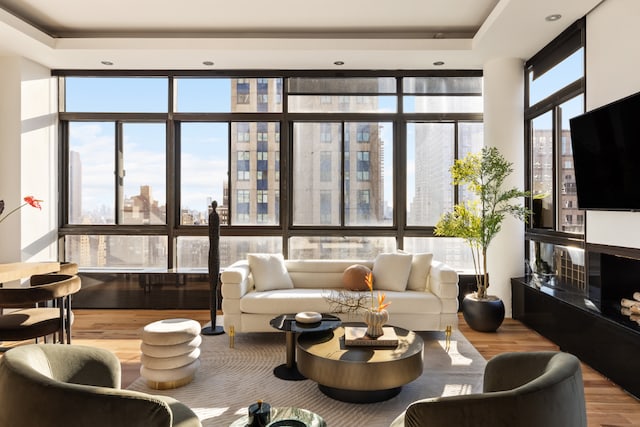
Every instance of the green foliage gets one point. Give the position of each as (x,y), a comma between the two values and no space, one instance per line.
(480,220)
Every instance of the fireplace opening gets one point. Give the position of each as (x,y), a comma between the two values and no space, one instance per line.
(615,278)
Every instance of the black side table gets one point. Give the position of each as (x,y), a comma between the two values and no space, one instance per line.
(287,323)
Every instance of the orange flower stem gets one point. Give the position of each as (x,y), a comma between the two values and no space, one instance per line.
(28,200)
(14,210)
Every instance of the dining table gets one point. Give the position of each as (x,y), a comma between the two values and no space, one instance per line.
(18,270)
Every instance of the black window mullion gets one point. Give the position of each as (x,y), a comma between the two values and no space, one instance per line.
(456,156)
(173,188)
(555,141)
(400,179)
(343,196)
(119,173)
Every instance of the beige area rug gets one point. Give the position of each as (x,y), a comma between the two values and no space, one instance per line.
(230,379)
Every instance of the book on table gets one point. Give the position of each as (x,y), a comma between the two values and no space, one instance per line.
(357,336)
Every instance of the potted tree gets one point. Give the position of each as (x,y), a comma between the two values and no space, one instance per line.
(478,221)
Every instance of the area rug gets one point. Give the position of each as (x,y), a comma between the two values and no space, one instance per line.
(230,379)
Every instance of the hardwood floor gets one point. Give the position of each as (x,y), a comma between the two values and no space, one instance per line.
(119,331)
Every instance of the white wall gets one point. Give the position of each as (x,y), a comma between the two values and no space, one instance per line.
(504,129)
(28,164)
(9,152)
(613,72)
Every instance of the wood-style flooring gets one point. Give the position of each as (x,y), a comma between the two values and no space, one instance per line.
(119,331)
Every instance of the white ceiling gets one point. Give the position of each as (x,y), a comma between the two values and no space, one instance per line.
(280,34)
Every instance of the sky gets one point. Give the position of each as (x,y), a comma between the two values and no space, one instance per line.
(204,145)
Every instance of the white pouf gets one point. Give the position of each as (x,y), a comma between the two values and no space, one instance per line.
(164,379)
(170,331)
(170,352)
(169,362)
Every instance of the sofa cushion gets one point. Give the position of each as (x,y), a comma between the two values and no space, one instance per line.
(269,272)
(286,301)
(354,277)
(420,268)
(391,271)
(296,300)
(320,273)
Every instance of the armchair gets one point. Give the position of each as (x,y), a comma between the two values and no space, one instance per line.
(51,385)
(527,389)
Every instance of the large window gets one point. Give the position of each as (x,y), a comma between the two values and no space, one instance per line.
(204,156)
(319,174)
(91,166)
(116,94)
(314,166)
(555,87)
(117,173)
(555,93)
(431,149)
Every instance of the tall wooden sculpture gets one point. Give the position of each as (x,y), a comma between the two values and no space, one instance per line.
(214,270)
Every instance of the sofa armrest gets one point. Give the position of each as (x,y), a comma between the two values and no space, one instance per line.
(443,280)
(236,280)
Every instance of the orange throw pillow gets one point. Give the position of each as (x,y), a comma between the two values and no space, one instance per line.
(354,276)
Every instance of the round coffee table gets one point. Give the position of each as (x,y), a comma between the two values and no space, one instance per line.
(360,374)
(287,417)
(288,324)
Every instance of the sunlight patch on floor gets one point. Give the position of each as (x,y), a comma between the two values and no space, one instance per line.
(457,359)
(457,389)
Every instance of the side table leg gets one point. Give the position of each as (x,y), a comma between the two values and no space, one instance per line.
(289,370)
(291,349)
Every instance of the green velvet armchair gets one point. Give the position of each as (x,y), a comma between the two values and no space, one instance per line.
(53,385)
(527,389)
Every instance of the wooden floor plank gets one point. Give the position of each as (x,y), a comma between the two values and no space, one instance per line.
(119,331)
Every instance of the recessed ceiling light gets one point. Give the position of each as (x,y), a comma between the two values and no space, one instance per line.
(208,63)
(338,62)
(106,62)
(553,17)
(438,63)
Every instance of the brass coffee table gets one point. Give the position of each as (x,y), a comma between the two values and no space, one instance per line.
(360,374)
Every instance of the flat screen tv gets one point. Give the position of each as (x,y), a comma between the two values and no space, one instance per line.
(606,154)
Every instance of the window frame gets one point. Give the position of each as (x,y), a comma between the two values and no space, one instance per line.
(568,42)
(563,46)
(285,230)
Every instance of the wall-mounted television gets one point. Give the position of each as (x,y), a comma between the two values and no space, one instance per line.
(606,154)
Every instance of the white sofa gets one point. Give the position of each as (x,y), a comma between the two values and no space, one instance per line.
(249,310)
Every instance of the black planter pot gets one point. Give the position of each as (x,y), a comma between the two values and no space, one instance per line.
(484,315)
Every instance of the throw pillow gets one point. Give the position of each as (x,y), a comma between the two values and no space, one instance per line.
(269,272)
(391,271)
(420,268)
(354,277)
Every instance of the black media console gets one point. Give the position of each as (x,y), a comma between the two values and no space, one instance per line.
(588,323)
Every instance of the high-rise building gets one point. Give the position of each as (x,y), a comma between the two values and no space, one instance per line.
(570,217)
(328,153)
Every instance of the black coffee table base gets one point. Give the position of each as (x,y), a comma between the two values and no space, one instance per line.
(291,327)
(285,372)
(359,396)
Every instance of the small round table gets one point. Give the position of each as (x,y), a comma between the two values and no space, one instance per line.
(287,417)
(360,374)
(288,324)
